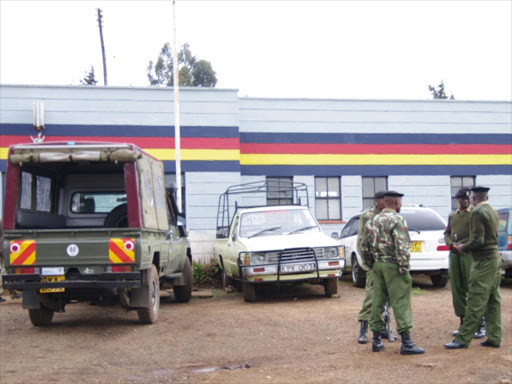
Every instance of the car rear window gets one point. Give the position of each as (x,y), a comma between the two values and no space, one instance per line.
(503,221)
(423,220)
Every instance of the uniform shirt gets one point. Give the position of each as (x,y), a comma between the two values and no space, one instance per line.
(386,237)
(483,241)
(458,224)
(363,219)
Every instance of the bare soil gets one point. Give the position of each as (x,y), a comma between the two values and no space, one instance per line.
(292,335)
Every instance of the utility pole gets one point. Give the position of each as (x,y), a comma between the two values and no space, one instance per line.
(177,134)
(100,16)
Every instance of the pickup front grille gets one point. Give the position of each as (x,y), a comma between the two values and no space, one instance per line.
(294,255)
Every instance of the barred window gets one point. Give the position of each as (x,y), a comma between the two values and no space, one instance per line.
(456,183)
(371,185)
(327,198)
(279,191)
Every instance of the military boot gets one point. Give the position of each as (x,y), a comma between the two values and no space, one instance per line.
(408,347)
(363,333)
(377,342)
(456,332)
(480,333)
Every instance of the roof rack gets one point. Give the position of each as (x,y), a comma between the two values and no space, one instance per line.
(293,192)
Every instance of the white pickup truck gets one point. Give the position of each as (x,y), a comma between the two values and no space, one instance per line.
(272,244)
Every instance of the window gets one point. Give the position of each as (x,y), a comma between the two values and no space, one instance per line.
(327,198)
(456,183)
(370,186)
(36,192)
(279,191)
(96,202)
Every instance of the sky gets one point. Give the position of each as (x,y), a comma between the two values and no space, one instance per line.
(299,49)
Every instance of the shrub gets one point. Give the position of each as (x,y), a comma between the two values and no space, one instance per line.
(207,274)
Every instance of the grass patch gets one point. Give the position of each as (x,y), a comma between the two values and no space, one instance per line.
(417,292)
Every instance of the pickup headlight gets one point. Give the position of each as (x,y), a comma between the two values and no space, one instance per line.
(331,253)
(253,258)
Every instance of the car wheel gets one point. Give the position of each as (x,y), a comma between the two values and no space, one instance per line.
(40,317)
(331,287)
(249,292)
(358,274)
(149,314)
(226,280)
(440,280)
(182,293)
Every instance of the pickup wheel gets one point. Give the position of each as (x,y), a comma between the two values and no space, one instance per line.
(440,280)
(117,218)
(40,317)
(331,286)
(182,293)
(149,314)
(226,280)
(358,274)
(249,292)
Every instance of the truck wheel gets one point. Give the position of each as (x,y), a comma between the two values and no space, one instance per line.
(439,280)
(331,286)
(226,280)
(40,317)
(149,314)
(358,274)
(117,218)
(249,291)
(182,293)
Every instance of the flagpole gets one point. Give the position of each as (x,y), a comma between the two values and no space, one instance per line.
(177,134)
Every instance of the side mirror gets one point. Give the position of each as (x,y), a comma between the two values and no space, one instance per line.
(334,235)
(183,231)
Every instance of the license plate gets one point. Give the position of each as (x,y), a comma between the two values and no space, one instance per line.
(52,279)
(294,268)
(416,246)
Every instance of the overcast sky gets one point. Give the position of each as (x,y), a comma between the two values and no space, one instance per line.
(332,49)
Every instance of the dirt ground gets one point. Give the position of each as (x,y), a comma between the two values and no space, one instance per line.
(294,335)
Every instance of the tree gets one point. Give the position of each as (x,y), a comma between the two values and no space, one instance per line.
(439,93)
(89,78)
(192,72)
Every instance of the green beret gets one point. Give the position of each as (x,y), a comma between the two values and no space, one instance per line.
(463,192)
(379,194)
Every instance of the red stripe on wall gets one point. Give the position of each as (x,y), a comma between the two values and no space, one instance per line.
(290,148)
(142,142)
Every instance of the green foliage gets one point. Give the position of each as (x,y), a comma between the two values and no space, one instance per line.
(439,93)
(89,78)
(192,72)
(207,274)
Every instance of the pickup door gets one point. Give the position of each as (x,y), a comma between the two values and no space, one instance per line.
(226,248)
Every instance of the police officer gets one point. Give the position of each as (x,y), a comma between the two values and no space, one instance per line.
(364,315)
(386,237)
(457,230)
(485,276)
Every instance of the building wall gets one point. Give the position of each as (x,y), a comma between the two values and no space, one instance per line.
(227,140)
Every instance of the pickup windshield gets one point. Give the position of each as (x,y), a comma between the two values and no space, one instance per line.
(277,222)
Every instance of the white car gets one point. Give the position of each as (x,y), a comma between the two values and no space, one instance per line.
(429,253)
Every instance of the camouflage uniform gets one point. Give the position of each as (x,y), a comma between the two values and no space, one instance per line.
(386,238)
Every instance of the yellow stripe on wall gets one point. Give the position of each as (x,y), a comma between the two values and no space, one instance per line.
(372,159)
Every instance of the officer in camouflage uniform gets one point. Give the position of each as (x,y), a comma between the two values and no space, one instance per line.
(457,230)
(386,239)
(364,315)
(485,276)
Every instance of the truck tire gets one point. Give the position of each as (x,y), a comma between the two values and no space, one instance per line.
(149,314)
(249,292)
(331,286)
(40,317)
(226,280)
(358,274)
(440,280)
(182,293)
(117,218)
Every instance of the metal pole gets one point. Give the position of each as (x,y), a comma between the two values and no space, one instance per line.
(177,135)
(100,16)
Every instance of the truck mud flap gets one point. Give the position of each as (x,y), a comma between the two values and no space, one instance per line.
(31,299)
(139,297)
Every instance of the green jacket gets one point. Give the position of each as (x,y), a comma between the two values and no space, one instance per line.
(386,238)
(457,230)
(363,219)
(483,241)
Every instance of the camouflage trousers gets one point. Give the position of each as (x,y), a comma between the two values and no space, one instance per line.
(389,283)
(483,300)
(365,312)
(460,268)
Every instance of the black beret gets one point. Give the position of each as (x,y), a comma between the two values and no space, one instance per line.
(393,194)
(479,189)
(379,194)
(463,192)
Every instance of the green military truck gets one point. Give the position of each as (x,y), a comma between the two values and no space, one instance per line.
(91,222)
